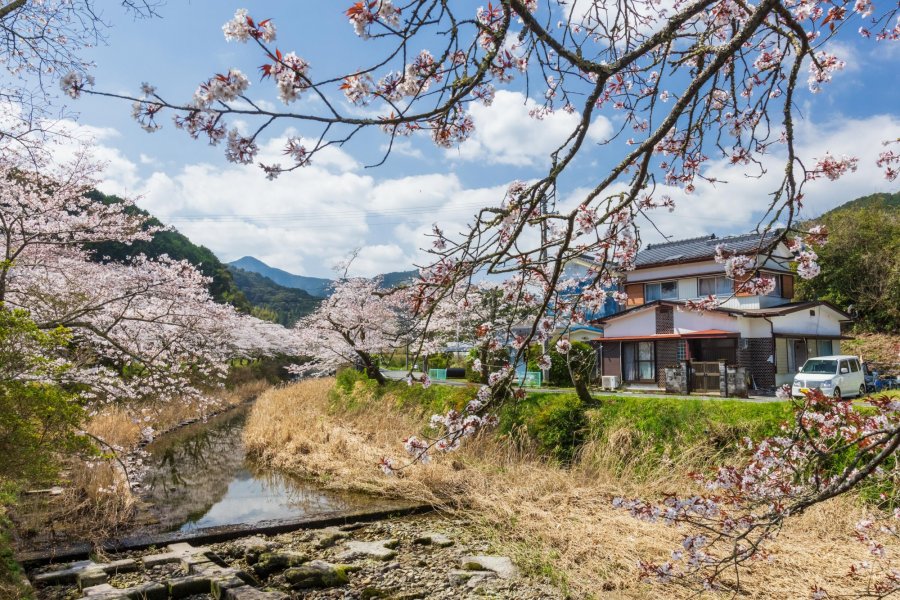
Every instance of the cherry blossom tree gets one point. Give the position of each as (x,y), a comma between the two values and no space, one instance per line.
(831,447)
(689,84)
(141,328)
(354,324)
(42,43)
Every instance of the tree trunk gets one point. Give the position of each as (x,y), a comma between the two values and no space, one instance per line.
(372,370)
(581,389)
(485,367)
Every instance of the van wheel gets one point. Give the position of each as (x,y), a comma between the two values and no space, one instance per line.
(837,393)
(862,390)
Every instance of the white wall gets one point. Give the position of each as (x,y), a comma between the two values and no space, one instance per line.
(780,260)
(823,321)
(689,321)
(755,327)
(674,271)
(641,322)
(687,288)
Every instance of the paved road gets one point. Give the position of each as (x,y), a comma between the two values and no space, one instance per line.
(401,375)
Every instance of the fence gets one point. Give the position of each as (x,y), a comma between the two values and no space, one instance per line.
(532,379)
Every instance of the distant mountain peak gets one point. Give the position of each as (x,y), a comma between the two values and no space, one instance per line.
(315,286)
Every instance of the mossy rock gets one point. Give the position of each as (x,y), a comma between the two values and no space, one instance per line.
(318,574)
(274,562)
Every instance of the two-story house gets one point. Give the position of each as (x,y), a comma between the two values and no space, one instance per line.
(770,335)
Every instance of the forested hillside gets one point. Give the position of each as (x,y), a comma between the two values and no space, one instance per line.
(271,301)
(179,247)
(861,262)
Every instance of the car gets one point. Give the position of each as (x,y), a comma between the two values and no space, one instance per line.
(839,377)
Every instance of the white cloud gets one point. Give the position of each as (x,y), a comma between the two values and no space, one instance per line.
(307,220)
(505,133)
(739,202)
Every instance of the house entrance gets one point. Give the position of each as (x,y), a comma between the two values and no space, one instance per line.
(704,376)
(639,362)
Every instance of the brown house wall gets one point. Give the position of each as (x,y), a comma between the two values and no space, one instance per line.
(665,319)
(635,293)
(612,358)
(666,356)
(753,354)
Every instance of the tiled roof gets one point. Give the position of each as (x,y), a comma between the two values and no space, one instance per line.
(703,248)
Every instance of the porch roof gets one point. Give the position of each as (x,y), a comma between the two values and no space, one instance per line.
(693,335)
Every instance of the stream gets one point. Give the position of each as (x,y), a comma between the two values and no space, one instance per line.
(200,476)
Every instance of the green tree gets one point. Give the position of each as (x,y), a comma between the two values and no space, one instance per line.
(574,369)
(39,421)
(860,265)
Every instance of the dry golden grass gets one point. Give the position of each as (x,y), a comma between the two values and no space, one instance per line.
(551,520)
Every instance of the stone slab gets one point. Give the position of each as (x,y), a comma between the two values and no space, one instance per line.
(91,577)
(501,565)
(434,538)
(64,576)
(250,593)
(188,586)
(379,550)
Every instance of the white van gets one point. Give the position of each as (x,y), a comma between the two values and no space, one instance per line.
(837,376)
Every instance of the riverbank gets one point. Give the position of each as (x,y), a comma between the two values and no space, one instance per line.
(92,499)
(553,516)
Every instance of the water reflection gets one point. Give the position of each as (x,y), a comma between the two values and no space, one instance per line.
(200,476)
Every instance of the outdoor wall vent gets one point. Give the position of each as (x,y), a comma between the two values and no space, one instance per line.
(812,312)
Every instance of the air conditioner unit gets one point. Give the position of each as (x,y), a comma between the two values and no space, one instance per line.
(609,382)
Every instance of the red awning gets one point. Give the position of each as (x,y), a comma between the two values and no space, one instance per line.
(709,333)
(706,333)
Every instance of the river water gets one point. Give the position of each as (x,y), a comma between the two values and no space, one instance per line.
(201,476)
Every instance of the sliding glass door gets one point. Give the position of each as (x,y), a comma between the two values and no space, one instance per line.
(639,361)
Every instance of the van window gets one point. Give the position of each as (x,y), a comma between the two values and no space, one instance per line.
(844,365)
(854,366)
(820,366)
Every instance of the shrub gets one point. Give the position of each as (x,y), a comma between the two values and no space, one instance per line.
(581,356)
(556,422)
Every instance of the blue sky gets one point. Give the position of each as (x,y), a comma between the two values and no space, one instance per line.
(306,221)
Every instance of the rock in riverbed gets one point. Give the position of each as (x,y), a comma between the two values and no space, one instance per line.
(425,557)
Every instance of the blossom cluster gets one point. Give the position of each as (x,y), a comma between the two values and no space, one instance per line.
(780,476)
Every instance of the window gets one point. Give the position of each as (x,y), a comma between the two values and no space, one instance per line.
(854,366)
(638,361)
(820,366)
(681,352)
(824,348)
(663,290)
(714,286)
(777,290)
(844,367)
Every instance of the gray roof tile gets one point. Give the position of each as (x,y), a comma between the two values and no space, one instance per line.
(702,248)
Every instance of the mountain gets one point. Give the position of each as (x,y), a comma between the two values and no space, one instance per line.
(272,301)
(860,264)
(884,200)
(395,278)
(177,246)
(315,286)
